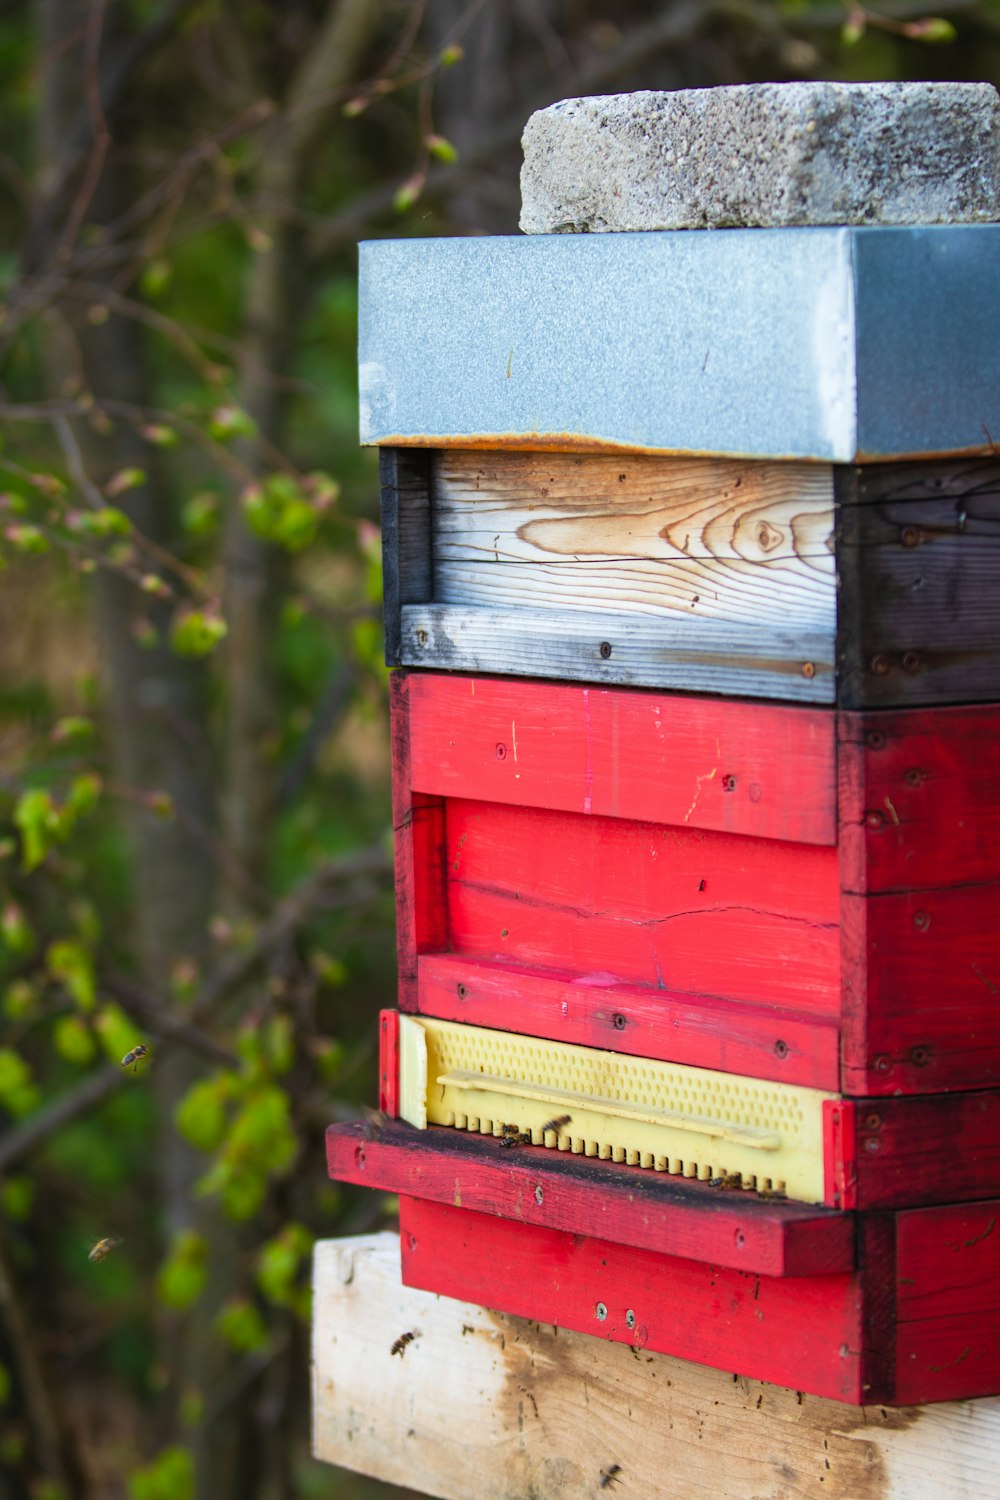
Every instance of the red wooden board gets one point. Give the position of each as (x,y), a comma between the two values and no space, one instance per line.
(948,1296)
(757,1041)
(672,908)
(388,1063)
(805,1332)
(647,756)
(644,1210)
(918,1321)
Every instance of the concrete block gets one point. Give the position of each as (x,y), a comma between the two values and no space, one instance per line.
(764,154)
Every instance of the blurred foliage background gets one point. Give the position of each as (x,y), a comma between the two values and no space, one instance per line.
(195,842)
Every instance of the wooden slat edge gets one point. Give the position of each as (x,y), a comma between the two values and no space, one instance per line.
(606,1200)
(488,1407)
(699,656)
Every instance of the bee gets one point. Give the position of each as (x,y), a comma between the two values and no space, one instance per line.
(399,1347)
(103,1248)
(520,1138)
(132,1059)
(373,1122)
(727,1181)
(556,1124)
(771,1193)
(510,1140)
(510,1130)
(609,1476)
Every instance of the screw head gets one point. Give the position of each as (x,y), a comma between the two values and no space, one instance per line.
(874,819)
(882,1063)
(600,1312)
(808,670)
(872,1145)
(629,1318)
(605,649)
(909,536)
(914,776)
(920,1056)
(780,1049)
(911,661)
(879,665)
(619,1021)
(501,752)
(461,991)
(921,920)
(875,740)
(873,1122)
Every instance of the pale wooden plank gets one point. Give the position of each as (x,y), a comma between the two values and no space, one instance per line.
(706,537)
(482,1406)
(704,656)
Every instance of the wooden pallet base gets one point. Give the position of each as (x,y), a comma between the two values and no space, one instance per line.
(484,1406)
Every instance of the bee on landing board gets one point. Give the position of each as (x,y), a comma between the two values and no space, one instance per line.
(557,1124)
(133,1058)
(399,1347)
(609,1476)
(103,1248)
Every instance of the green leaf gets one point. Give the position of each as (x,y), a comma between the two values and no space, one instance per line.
(156,277)
(71,730)
(37,820)
(169,1477)
(451,55)
(84,794)
(115,1031)
(201,514)
(933,29)
(160,435)
(74,1040)
(120,483)
(228,422)
(19,1094)
(408,192)
(279,1264)
(278,511)
(196,632)
(182,1276)
(69,962)
(105,522)
(17,1197)
(20,1000)
(279,1043)
(242,1326)
(441,147)
(15,930)
(261,1134)
(201,1117)
(26,539)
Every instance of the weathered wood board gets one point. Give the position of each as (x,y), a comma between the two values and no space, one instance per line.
(870,585)
(792,893)
(483,1406)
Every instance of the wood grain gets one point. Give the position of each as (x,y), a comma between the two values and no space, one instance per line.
(802,1331)
(707,538)
(673,908)
(608,1201)
(918,559)
(695,762)
(407,554)
(418,835)
(756,1040)
(484,1406)
(711,656)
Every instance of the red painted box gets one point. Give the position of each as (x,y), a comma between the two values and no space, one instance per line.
(803,894)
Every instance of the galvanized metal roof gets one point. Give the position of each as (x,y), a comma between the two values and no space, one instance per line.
(829,344)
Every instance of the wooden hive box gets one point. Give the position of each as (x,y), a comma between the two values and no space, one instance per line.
(730,500)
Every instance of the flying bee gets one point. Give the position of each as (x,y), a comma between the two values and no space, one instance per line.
(609,1476)
(133,1058)
(399,1347)
(103,1248)
(373,1122)
(556,1124)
